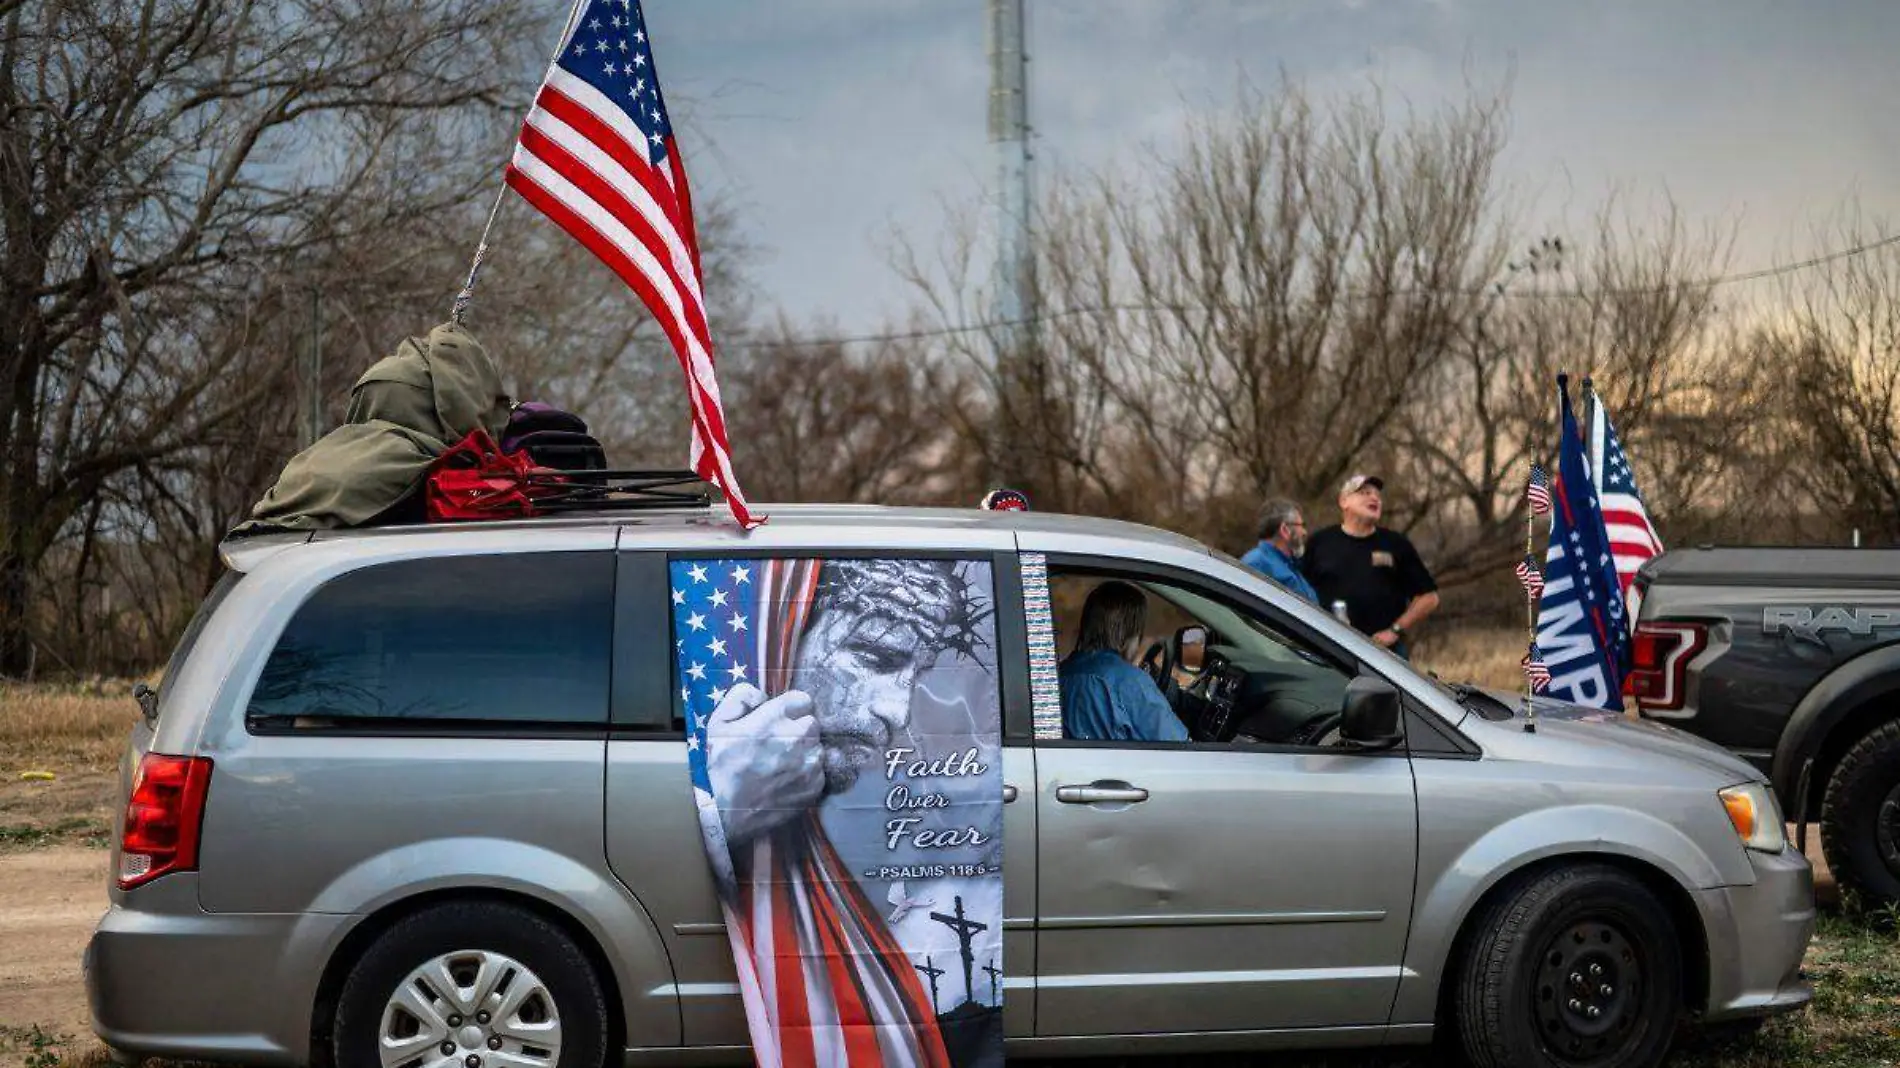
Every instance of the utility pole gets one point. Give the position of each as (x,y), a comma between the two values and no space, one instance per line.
(1015,335)
(314,428)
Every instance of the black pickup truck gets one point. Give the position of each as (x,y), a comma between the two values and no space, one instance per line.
(1791,658)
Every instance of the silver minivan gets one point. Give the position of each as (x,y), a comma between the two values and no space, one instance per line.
(416,797)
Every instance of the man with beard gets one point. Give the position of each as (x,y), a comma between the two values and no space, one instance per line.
(1282,543)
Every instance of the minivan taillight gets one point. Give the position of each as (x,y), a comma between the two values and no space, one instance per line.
(163,818)
(1660,655)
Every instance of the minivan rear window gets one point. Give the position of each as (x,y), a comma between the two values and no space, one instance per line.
(520,638)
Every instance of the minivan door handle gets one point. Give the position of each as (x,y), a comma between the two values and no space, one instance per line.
(1096,793)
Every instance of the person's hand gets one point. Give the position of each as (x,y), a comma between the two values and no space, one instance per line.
(764,759)
(1386,638)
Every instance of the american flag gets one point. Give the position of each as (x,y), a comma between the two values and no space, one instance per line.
(1536,670)
(1530,575)
(823,981)
(597,156)
(1538,492)
(1582,628)
(1632,537)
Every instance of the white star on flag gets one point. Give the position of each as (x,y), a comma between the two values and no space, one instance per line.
(696,621)
(698,572)
(697,671)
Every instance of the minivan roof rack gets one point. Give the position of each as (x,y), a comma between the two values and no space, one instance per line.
(615,490)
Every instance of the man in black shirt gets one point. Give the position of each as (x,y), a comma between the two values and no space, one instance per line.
(1376,571)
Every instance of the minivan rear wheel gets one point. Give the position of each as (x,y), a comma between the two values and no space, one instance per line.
(472,985)
(1575,968)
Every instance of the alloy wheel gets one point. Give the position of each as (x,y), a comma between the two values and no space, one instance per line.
(470,1009)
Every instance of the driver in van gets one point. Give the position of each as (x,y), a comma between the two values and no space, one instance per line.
(1105,697)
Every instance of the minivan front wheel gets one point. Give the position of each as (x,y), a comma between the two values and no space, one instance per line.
(472,985)
(1576,968)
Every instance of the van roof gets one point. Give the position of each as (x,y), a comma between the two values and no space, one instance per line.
(241,554)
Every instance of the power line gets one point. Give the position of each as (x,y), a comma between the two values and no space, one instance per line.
(1495,290)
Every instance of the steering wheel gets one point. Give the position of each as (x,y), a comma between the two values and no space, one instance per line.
(1158,662)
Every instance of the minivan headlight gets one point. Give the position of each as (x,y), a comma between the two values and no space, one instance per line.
(1751,808)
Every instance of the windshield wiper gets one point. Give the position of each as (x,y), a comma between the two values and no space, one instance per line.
(1474,697)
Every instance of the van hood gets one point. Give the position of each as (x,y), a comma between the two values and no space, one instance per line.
(1580,725)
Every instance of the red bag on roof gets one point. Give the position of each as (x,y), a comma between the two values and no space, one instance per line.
(474,479)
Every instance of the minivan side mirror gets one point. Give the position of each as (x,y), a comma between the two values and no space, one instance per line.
(1369,715)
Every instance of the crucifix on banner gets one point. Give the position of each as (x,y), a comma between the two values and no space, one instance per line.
(966,929)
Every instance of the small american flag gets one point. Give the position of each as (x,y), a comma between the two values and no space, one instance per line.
(1539,490)
(596,155)
(1535,669)
(1529,574)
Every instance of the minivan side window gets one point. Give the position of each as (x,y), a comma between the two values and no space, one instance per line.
(476,640)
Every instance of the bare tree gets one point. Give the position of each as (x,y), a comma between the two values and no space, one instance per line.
(818,422)
(1633,310)
(164,166)
(1250,314)
(1842,381)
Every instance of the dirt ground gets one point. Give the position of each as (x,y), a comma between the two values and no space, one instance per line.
(50,899)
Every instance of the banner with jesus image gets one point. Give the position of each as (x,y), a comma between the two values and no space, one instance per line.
(844,736)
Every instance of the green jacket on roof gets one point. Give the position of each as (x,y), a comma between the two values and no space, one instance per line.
(405,411)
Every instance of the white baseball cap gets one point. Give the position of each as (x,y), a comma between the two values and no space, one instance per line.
(1359,482)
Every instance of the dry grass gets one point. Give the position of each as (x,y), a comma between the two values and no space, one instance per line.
(74,727)
(75,733)
(1487,656)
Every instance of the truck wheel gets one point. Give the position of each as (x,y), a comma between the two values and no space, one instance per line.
(473,985)
(1576,968)
(1860,819)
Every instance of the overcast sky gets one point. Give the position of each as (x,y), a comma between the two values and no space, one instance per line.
(829,122)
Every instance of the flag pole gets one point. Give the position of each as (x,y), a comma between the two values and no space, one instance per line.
(1530,617)
(467,294)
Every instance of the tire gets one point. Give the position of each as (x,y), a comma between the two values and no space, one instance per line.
(1588,922)
(1860,819)
(549,1005)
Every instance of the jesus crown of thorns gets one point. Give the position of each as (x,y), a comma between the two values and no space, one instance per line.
(929,596)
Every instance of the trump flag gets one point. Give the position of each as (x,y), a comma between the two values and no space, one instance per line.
(1581,626)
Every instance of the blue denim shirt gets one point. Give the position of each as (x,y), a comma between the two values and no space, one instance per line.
(1267,559)
(1106,698)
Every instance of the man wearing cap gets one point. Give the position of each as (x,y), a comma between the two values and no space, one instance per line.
(1376,571)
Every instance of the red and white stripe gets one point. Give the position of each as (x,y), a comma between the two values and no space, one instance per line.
(580,160)
(1632,538)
